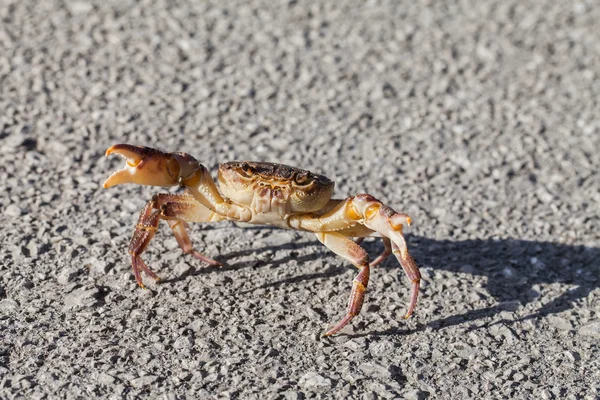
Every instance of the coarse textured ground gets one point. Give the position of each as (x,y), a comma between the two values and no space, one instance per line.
(480,119)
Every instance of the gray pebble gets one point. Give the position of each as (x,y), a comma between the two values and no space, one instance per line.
(143,381)
(80,299)
(184,342)
(106,379)
(12,210)
(560,323)
(8,306)
(591,329)
(66,276)
(314,382)
(415,395)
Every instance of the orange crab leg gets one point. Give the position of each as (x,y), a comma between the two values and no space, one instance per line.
(180,231)
(365,212)
(389,223)
(348,249)
(176,209)
(385,254)
(382,219)
(412,272)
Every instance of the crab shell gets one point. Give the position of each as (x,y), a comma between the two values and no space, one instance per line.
(268,187)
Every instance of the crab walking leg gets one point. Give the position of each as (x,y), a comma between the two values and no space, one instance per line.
(366,210)
(183,207)
(144,232)
(348,249)
(177,209)
(180,231)
(383,219)
(412,271)
(385,254)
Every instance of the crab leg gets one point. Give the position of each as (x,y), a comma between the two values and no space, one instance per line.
(180,231)
(389,223)
(176,209)
(412,271)
(348,249)
(144,232)
(385,254)
(366,211)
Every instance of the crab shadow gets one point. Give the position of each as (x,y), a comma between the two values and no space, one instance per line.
(513,269)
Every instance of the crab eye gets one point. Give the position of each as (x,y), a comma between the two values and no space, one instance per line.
(302,179)
(247,170)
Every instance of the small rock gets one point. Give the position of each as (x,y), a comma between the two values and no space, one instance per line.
(31,249)
(291,395)
(170,244)
(97,267)
(381,390)
(352,378)
(81,298)
(537,263)
(468,353)
(560,323)
(415,395)
(355,344)
(12,210)
(512,305)
(27,284)
(438,212)
(184,342)
(518,377)
(544,195)
(592,329)
(501,330)
(106,379)
(315,382)
(572,356)
(380,348)
(182,269)
(8,305)
(66,276)
(80,7)
(143,381)
(374,370)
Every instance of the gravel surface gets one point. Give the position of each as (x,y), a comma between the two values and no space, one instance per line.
(477,118)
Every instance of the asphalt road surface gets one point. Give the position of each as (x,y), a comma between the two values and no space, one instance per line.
(480,119)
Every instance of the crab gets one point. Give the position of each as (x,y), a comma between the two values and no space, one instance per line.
(267,194)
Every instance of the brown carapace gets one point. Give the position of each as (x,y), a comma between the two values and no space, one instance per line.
(267,194)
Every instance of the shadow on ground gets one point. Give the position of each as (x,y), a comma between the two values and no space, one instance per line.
(513,268)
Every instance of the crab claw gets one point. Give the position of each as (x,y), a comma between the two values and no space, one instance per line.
(145,166)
